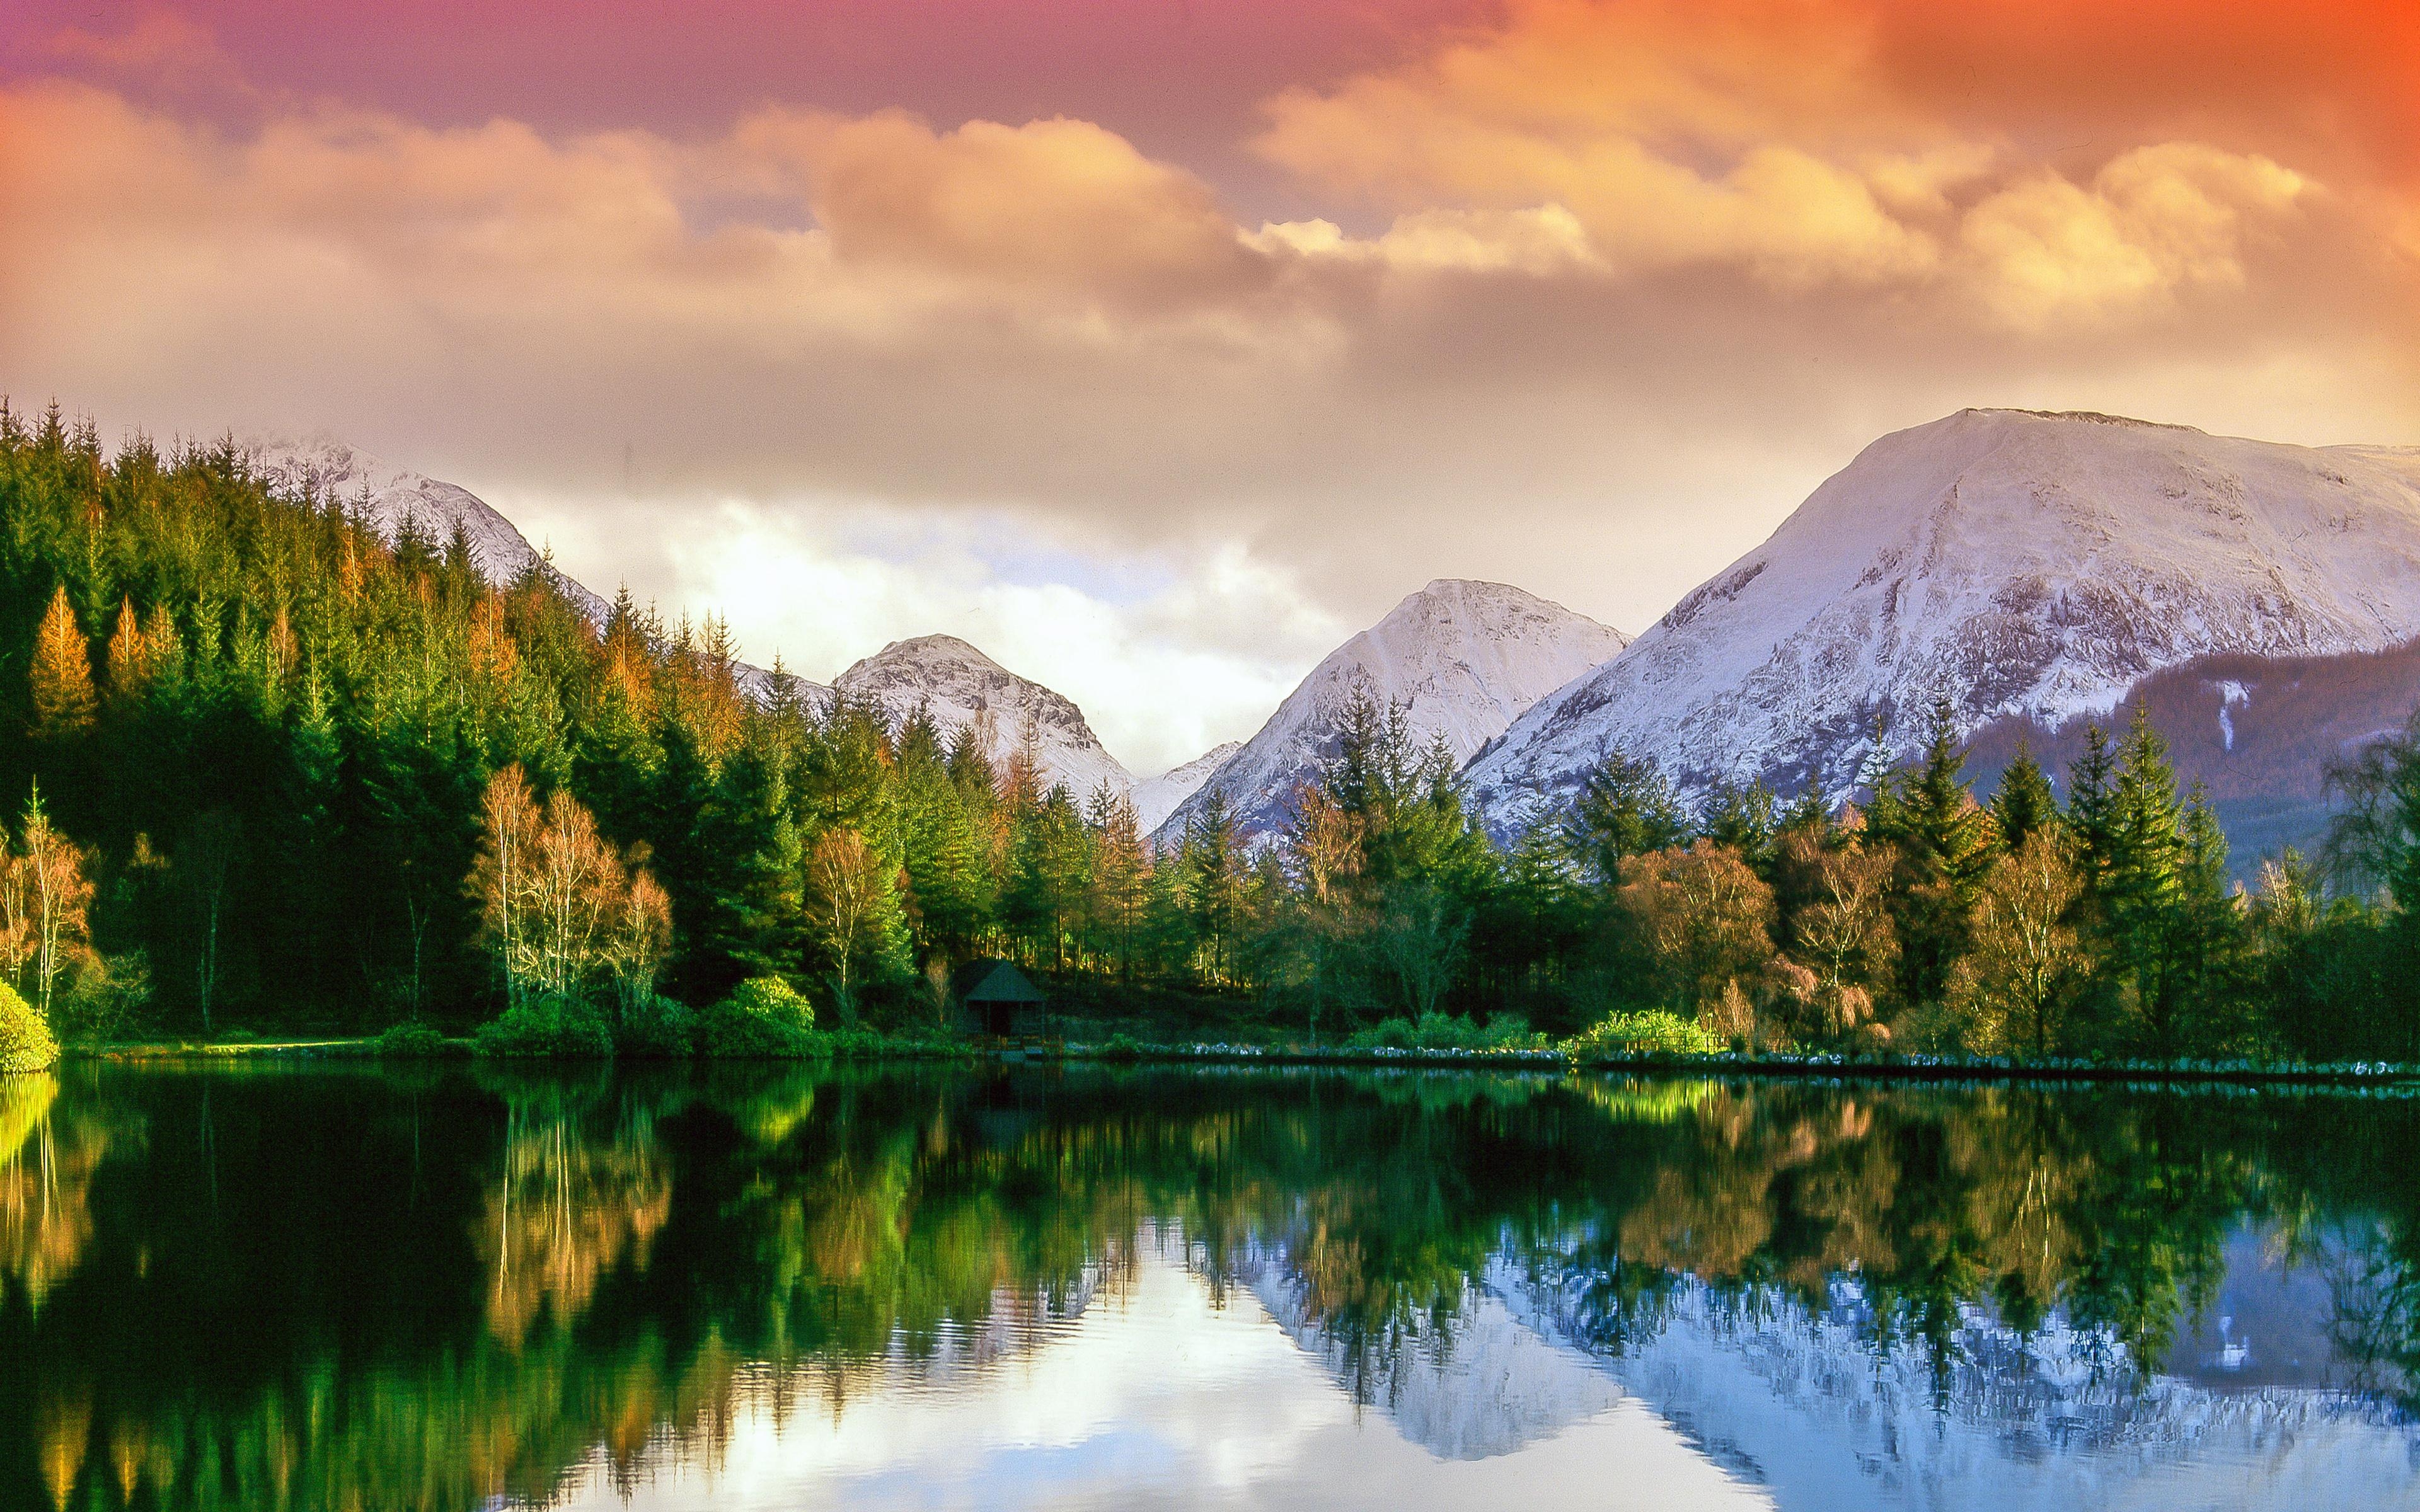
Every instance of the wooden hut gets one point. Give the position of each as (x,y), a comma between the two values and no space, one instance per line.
(1005,1004)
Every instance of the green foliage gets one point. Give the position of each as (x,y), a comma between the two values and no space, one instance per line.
(1651,1032)
(413,1040)
(25,1042)
(770,998)
(656,1028)
(763,1018)
(563,1028)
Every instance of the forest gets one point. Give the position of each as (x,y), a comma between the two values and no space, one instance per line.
(264,770)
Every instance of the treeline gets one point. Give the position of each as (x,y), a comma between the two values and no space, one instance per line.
(276,770)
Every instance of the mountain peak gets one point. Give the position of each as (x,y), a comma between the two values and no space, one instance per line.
(2022,565)
(1465,657)
(959,687)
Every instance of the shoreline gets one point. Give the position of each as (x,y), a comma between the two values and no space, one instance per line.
(1974,1070)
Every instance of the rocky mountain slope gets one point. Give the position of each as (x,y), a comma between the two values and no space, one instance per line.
(2033,568)
(1468,657)
(960,686)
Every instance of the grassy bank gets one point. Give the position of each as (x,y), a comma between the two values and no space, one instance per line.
(865,1045)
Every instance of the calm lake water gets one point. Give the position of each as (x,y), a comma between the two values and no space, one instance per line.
(466,1287)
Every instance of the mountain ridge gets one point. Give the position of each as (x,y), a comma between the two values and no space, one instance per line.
(2027,566)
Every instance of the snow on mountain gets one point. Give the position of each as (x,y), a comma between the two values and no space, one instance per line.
(1157,797)
(1468,657)
(2028,566)
(389,496)
(960,686)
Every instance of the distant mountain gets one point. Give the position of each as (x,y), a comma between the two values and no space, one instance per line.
(2034,568)
(1468,657)
(1157,797)
(389,496)
(960,686)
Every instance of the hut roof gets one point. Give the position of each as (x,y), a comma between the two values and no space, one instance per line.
(1000,983)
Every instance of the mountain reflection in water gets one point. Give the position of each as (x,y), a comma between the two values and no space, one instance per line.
(463,1288)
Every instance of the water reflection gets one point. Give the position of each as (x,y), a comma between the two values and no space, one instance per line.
(279,1288)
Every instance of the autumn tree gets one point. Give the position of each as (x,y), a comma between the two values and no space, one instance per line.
(2011,990)
(1841,931)
(45,900)
(503,878)
(1121,878)
(1699,923)
(61,674)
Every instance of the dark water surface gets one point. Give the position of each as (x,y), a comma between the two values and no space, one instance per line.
(751,1287)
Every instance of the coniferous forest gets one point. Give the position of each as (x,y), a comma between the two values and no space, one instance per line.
(262,768)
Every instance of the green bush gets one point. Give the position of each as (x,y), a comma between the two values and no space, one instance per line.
(657,1028)
(763,1018)
(1654,1032)
(770,998)
(25,1041)
(415,1041)
(559,1028)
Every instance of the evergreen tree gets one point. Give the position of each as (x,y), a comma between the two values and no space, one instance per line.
(1625,808)
(2024,803)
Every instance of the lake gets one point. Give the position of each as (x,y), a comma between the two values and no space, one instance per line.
(467,1287)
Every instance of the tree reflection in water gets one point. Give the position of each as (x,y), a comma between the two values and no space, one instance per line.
(353,1289)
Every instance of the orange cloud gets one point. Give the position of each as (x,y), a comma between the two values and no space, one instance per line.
(1059,204)
(1636,275)
(1775,138)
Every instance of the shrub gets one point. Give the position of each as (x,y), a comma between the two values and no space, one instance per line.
(415,1041)
(1387,1034)
(763,1018)
(656,1028)
(25,1041)
(1119,1046)
(238,1034)
(1654,1032)
(562,1027)
(773,998)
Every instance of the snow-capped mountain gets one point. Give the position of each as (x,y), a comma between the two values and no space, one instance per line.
(1467,659)
(2028,566)
(1157,797)
(960,686)
(389,496)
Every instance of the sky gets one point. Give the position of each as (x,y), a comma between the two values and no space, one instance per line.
(1156,345)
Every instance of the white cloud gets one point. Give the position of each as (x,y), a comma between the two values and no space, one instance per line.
(1200,656)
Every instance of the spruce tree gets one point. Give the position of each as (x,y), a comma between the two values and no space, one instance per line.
(2024,802)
